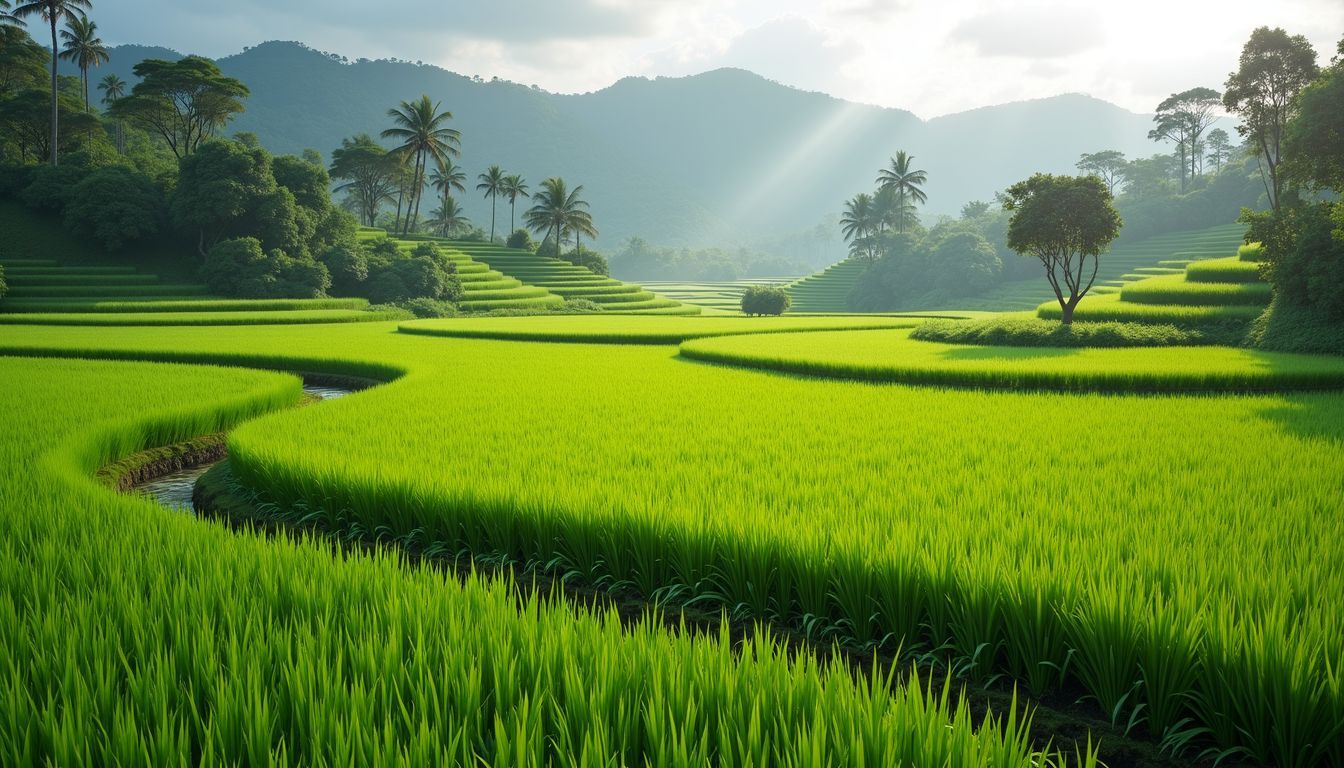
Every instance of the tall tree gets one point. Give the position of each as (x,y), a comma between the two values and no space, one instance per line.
(53,12)
(858,225)
(1313,145)
(84,48)
(448,217)
(424,135)
(447,177)
(558,209)
(1183,117)
(1218,148)
(1109,165)
(184,102)
(1273,69)
(366,172)
(906,183)
(514,188)
(492,184)
(114,88)
(1064,221)
(7,18)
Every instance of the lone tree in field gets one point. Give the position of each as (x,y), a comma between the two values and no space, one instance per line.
(185,102)
(52,12)
(1066,222)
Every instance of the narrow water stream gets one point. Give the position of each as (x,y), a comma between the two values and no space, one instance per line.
(174,490)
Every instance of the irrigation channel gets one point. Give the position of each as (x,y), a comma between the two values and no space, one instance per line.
(174,490)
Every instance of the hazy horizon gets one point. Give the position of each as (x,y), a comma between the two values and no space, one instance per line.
(958,56)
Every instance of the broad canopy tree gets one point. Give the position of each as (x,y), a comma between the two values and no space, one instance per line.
(1183,118)
(1273,69)
(1066,222)
(185,102)
(1109,164)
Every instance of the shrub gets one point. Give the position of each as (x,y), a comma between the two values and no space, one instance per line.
(580,307)
(425,307)
(426,273)
(239,268)
(1034,332)
(113,206)
(764,300)
(50,188)
(3,288)
(592,260)
(1251,252)
(349,268)
(521,239)
(1286,327)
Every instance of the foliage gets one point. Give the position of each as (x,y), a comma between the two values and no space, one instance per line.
(905,185)
(1035,332)
(1286,327)
(82,46)
(558,210)
(1183,118)
(1313,144)
(1108,164)
(424,134)
(240,268)
(114,206)
(26,118)
(1303,255)
(1063,221)
(424,307)
(1273,69)
(184,102)
(590,260)
(367,173)
(638,259)
(50,188)
(764,300)
(521,239)
(395,278)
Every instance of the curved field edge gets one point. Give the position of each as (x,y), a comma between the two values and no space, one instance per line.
(1243,670)
(207,317)
(877,356)
(133,634)
(638,330)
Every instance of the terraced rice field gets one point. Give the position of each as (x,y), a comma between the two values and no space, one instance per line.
(1223,291)
(1120,558)
(827,290)
(722,296)
(568,281)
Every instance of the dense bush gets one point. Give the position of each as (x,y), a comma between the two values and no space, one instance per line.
(113,206)
(349,268)
(50,188)
(592,260)
(953,259)
(3,287)
(522,240)
(394,278)
(1034,332)
(239,268)
(764,300)
(1288,328)
(1303,257)
(426,307)
(580,307)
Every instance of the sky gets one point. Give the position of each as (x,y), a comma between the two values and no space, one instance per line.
(931,57)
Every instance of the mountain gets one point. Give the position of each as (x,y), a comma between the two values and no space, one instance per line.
(721,158)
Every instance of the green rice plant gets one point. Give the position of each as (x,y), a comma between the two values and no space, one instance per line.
(276,317)
(1174,289)
(133,634)
(892,356)
(64,305)
(1112,308)
(738,489)
(634,330)
(1029,331)
(1251,252)
(1229,270)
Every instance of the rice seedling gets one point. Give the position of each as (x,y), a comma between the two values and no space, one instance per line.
(276,317)
(1229,270)
(130,634)
(63,305)
(1175,289)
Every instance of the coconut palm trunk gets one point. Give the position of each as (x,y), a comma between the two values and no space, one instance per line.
(55,132)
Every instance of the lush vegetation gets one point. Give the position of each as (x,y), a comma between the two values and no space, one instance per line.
(1223,631)
(1028,331)
(110,662)
(764,300)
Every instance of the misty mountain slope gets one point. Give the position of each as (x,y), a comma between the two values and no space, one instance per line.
(721,158)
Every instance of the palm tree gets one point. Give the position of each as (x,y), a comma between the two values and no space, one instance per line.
(8,19)
(905,183)
(448,217)
(114,88)
(561,210)
(52,12)
(492,183)
(84,48)
(445,178)
(858,223)
(514,188)
(421,128)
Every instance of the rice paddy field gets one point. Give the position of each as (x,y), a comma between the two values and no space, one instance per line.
(1162,539)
